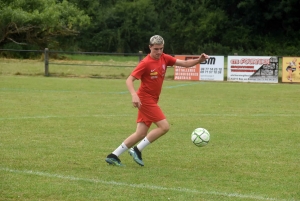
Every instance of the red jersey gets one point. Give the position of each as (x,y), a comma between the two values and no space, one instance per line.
(152,72)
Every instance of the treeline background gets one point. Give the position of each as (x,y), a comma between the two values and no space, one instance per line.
(220,27)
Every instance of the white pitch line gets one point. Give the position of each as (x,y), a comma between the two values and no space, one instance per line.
(183,85)
(142,186)
(64,117)
(60,91)
(169,115)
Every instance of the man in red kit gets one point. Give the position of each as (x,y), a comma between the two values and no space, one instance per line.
(151,71)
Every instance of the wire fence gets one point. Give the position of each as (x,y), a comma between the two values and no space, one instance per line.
(50,57)
(60,60)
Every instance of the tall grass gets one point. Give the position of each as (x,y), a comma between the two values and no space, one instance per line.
(104,66)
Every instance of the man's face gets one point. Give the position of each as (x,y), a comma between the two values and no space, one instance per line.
(156,51)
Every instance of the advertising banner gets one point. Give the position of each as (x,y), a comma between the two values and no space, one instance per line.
(211,69)
(291,69)
(182,73)
(252,69)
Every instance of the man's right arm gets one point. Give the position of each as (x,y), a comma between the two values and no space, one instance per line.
(135,99)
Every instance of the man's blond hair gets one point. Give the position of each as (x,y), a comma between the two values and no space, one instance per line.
(156,40)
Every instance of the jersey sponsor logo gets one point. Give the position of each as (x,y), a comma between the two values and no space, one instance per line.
(153,73)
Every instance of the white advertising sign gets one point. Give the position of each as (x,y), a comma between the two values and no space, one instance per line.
(212,69)
(252,69)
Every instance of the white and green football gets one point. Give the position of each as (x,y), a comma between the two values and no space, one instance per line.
(200,137)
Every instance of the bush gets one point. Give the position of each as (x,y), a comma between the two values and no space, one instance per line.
(19,51)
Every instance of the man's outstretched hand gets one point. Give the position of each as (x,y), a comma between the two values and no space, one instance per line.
(203,57)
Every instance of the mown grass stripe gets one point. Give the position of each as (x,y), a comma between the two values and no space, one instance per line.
(142,186)
(127,115)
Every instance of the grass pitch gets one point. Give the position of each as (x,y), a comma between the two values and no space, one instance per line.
(56,133)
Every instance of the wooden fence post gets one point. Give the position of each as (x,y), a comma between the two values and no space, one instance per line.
(46,59)
(140,56)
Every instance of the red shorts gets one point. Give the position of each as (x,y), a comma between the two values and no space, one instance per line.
(149,113)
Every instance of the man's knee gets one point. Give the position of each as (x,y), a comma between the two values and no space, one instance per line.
(164,126)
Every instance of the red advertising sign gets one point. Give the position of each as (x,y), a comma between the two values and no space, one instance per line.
(182,73)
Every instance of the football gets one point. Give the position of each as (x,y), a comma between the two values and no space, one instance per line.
(200,137)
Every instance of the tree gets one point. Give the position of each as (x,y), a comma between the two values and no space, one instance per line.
(39,22)
(120,26)
(191,27)
(262,27)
